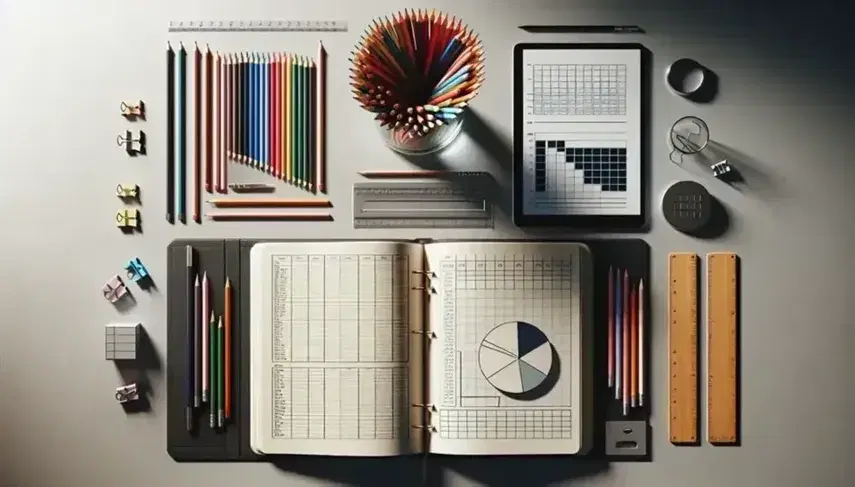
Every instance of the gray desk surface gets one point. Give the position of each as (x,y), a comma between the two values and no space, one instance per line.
(782,112)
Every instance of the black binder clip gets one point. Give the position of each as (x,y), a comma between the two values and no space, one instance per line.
(133,145)
(133,110)
(722,170)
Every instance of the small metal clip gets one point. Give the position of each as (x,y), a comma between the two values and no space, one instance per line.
(114,289)
(127,393)
(427,289)
(722,170)
(129,191)
(427,274)
(137,271)
(133,145)
(133,110)
(128,219)
(428,334)
(428,428)
(430,407)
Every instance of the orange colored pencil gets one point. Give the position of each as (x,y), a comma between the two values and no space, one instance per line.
(227,346)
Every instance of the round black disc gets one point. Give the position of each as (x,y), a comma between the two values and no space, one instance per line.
(687,206)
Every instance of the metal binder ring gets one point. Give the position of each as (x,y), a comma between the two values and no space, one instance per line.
(120,141)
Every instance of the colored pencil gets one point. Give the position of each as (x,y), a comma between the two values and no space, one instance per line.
(633,349)
(274,120)
(220,378)
(618,337)
(170,134)
(197,129)
(626,341)
(216,115)
(289,119)
(270,216)
(321,119)
(189,343)
(206,310)
(420,174)
(197,342)
(265,113)
(215,387)
(311,116)
(641,342)
(417,58)
(270,203)
(611,332)
(181,193)
(253,111)
(227,313)
(209,119)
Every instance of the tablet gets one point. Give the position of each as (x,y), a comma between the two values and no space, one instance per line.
(580,118)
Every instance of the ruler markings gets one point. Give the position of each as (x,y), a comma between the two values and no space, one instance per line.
(258,26)
(683,348)
(722,368)
(419,205)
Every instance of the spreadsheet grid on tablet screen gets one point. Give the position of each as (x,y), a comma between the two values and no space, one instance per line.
(581,115)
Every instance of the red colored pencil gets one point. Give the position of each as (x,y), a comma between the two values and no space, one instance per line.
(209,119)
(626,344)
(633,349)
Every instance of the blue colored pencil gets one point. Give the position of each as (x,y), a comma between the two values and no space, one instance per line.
(456,78)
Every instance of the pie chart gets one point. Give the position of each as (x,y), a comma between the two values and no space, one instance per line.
(515,357)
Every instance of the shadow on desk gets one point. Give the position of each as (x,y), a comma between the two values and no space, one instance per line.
(430,471)
(358,471)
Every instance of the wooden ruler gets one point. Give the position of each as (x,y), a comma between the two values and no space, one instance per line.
(722,392)
(683,348)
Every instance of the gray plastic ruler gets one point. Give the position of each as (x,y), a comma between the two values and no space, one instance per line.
(419,205)
(258,26)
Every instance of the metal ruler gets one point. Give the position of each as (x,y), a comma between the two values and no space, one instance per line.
(258,26)
(444,204)
(722,285)
(683,348)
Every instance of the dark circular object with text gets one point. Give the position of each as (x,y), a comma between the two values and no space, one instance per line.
(687,206)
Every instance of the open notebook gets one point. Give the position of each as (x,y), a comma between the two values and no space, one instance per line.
(391,348)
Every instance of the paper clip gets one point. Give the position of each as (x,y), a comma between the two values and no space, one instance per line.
(127,393)
(133,146)
(721,170)
(133,111)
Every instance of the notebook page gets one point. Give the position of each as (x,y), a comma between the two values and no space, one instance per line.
(334,369)
(508,368)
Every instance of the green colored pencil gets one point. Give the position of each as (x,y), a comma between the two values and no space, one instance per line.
(212,368)
(220,384)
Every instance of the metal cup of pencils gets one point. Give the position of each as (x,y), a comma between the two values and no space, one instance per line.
(417,73)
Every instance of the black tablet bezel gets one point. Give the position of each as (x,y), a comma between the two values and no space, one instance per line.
(582,222)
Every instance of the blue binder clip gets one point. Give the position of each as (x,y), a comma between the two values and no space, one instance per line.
(137,271)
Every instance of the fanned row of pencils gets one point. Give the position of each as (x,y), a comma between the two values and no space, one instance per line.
(264,110)
(418,71)
(626,339)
